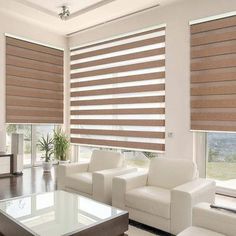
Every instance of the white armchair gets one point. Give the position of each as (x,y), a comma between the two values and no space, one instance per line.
(93,179)
(164,196)
(211,222)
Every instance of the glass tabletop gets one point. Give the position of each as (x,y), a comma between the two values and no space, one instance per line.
(56,213)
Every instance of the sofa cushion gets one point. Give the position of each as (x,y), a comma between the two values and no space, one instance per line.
(169,173)
(81,182)
(103,160)
(150,199)
(197,231)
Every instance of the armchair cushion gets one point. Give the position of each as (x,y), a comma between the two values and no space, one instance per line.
(68,169)
(150,199)
(124,183)
(102,160)
(81,182)
(169,173)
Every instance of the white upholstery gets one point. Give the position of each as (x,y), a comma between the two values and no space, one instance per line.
(85,179)
(211,221)
(185,197)
(68,169)
(179,172)
(148,219)
(150,199)
(81,182)
(103,160)
(154,199)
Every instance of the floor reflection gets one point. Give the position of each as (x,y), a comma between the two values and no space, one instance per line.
(33,180)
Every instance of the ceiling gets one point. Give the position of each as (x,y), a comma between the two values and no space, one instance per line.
(84,13)
(54,7)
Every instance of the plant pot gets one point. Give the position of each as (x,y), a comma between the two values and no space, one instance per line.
(64,162)
(47,166)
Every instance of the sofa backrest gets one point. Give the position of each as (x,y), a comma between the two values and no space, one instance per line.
(103,160)
(170,173)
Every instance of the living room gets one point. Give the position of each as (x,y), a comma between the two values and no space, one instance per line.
(119,123)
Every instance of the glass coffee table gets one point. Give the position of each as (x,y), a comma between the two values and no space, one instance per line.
(60,213)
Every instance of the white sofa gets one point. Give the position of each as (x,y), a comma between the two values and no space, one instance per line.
(164,196)
(94,179)
(211,222)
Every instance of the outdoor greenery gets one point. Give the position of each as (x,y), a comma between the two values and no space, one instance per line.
(221,170)
(150,155)
(61,145)
(215,156)
(221,163)
(11,128)
(221,147)
(46,145)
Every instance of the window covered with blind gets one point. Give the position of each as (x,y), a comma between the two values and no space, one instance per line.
(213,75)
(118,92)
(34,83)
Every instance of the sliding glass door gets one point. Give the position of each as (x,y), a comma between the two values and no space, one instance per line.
(31,133)
(26,130)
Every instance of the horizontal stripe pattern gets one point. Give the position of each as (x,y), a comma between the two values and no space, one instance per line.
(34,83)
(118,92)
(213,75)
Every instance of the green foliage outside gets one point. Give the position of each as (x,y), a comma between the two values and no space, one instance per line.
(150,155)
(11,128)
(221,170)
(215,156)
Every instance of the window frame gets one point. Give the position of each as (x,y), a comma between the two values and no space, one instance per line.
(200,156)
(34,162)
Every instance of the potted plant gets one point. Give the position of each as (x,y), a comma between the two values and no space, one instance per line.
(61,146)
(46,145)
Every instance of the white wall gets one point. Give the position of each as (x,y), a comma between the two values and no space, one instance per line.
(177,17)
(14,26)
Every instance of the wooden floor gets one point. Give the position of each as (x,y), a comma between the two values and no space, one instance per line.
(32,181)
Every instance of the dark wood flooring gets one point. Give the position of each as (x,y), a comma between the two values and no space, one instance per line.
(33,180)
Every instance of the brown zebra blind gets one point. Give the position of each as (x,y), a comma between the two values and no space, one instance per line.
(34,83)
(213,75)
(118,92)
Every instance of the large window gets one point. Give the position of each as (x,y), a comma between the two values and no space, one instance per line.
(221,160)
(31,133)
(26,130)
(118,92)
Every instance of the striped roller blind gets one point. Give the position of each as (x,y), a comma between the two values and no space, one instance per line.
(213,75)
(118,92)
(34,83)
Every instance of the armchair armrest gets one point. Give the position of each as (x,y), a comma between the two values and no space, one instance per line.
(124,183)
(65,170)
(184,197)
(102,182)
(216,220)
